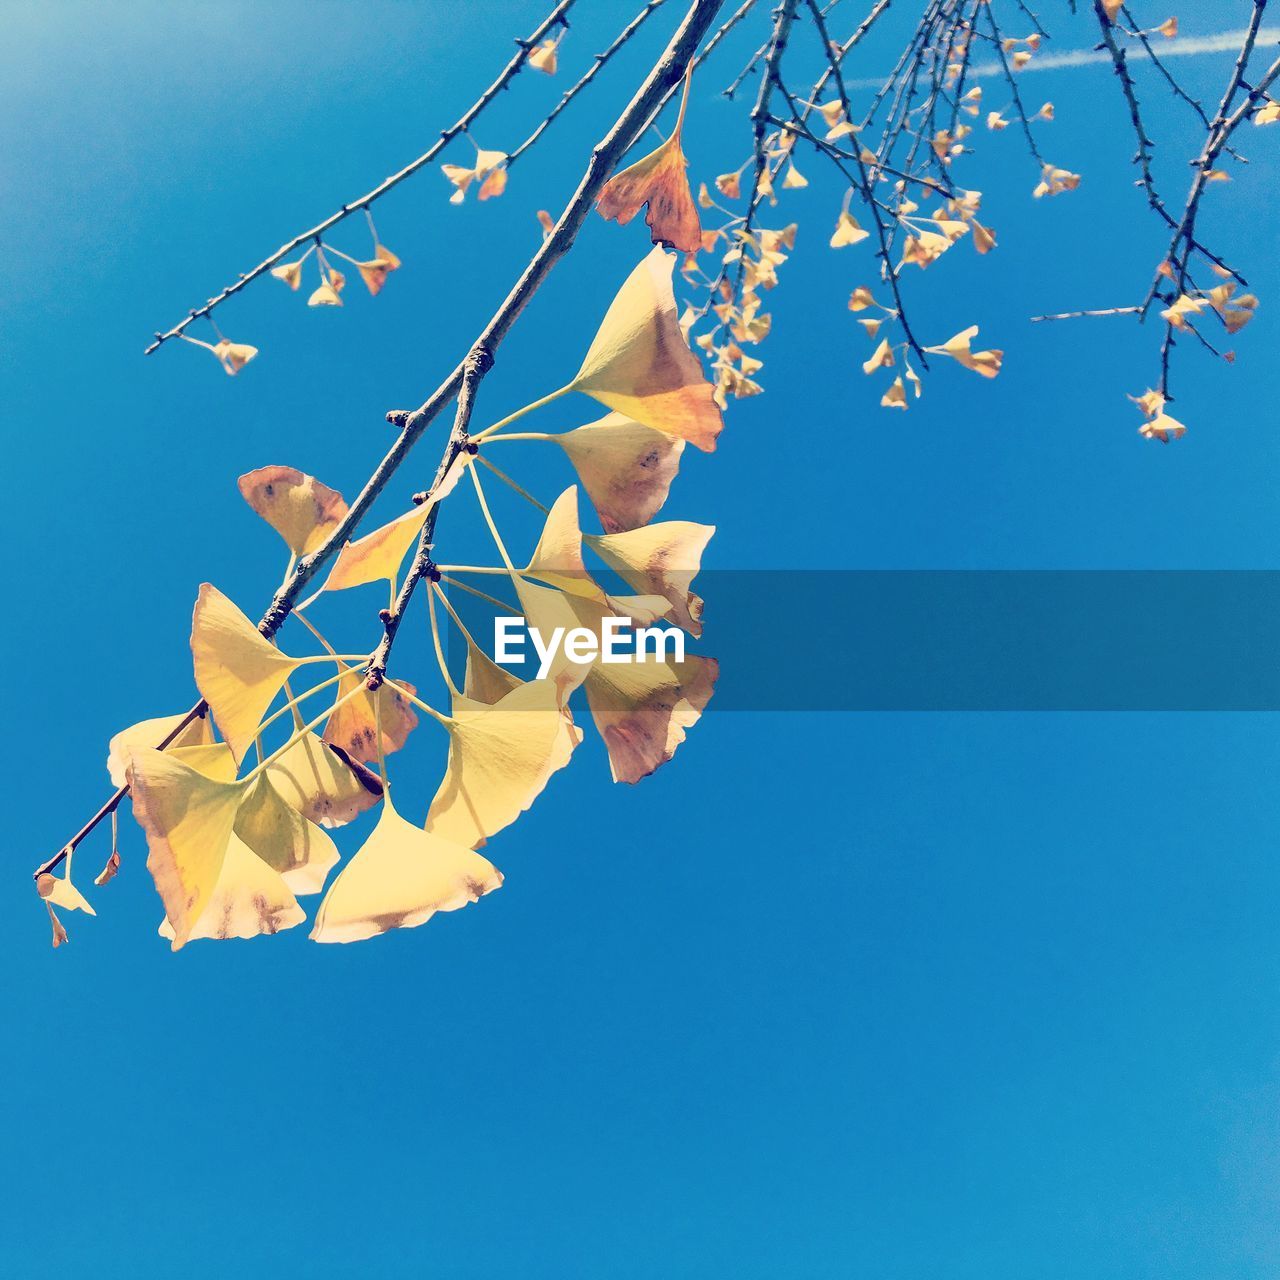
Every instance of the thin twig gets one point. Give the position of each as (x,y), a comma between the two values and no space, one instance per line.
(557,17)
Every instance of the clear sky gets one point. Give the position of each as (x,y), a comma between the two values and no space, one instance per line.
(896,996)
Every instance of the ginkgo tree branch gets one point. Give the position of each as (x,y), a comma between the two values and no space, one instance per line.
(665,73)
(557,17)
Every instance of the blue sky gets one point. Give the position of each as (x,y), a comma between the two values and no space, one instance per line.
(876,995)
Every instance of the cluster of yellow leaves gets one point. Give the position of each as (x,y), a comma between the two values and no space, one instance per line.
(373,272)
(232,848)
(1158,425)
(985,363)
(1054,181)
(757,255)
(1234,311)
(489,171)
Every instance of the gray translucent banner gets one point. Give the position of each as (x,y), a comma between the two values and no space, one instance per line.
(845,640)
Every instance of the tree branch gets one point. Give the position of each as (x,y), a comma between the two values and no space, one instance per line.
(666,73)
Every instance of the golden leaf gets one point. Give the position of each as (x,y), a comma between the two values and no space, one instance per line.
(326,295)
(626,468)
(58,891)
(298,850)
(302,510)
(1054,181)
(399,878)
(895,397)
(233,356)
(248,900)
(151,733)
(640,365)
(238,672)
(353,725)
(323,783)
(188,820)
(730,184)
(847,231)
(290,273)
(662,560)
(642,709)
(374,272)
(59,933)
(881,358)
(543,58)
(500,759)
(660,182)
(986,363)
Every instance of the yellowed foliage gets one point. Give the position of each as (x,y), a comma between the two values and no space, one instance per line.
(237,671)
(625,467)
(398,879)
(659,181)
(302,510)
(639,364)
(500,759)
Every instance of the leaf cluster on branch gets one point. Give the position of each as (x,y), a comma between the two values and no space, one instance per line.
(236,796)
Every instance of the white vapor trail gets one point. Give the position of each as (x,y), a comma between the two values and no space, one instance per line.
(1182,47)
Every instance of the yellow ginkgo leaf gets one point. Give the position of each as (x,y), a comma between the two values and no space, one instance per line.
(58,891)
(302,510)
(729,185)
(1162,427)
(557,560)
(248,900)
(151,733)
(659,181)
(881,358)
(59,933)
(353,725)
(793,179)
(290,273)
(485,682)
(374,272)
(1054,181)
(323,783)
(298,850)
(1168,28)
(861,299)
(500,759)
(378,555)
(233,356)
(641,366)
(331,285)
(1268,113)
(188,820)
(642,709)
(543,57)
(626,468)
(662,560)
(400,877)
(238,672)
(987,363)
(848,231)
(213,759)
(895,397)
